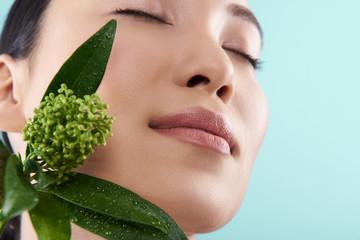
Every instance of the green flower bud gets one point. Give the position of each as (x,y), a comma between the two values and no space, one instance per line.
(65,129)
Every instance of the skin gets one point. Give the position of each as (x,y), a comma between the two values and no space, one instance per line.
(149,68)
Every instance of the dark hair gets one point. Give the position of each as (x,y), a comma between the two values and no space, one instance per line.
(18,40)
(22,27)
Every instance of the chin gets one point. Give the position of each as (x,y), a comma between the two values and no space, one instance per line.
(201,208)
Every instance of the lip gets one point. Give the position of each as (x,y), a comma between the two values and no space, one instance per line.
(199,127)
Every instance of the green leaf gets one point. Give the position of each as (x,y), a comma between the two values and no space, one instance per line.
(175,232)
(4,151)
(51,218)
(84,70)
(4,155)
(112,228)
(28,149)
(19,195)
(44,178)
(30,166)
(110,199)
(2,225)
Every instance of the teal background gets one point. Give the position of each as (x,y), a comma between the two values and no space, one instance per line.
(4,8)
(306,181)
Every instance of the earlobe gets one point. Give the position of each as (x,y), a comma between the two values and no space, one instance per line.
(12,118)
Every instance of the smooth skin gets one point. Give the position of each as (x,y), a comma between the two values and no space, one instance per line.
(146,78)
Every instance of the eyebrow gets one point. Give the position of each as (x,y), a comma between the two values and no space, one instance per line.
(244,13)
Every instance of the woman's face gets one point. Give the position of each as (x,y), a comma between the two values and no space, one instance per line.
(168,72)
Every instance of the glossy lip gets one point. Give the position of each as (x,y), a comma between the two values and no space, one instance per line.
(198,126)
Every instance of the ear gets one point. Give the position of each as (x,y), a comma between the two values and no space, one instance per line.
(12,118)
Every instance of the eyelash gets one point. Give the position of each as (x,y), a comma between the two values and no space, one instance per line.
(256,63)
(141,14)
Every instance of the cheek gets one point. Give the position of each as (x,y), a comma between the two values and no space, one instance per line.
(250,103)
(47,60)
(260,116)
(251,108)
(135,66)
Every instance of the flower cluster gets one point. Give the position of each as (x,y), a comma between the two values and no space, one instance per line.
(65,129)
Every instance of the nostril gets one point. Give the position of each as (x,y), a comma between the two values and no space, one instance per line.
(221,92)
(196,80)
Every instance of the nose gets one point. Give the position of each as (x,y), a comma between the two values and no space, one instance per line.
(205,66)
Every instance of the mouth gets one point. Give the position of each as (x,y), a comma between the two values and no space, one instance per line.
(197,126)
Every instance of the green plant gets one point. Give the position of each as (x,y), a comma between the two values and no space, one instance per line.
(64,130)
(69,121)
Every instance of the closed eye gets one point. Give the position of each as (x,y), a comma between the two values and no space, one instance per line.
(253,61)
(140,14)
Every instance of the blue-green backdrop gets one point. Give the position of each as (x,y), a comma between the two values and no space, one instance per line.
(306,181)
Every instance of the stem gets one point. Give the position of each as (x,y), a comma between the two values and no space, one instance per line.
(31,156)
